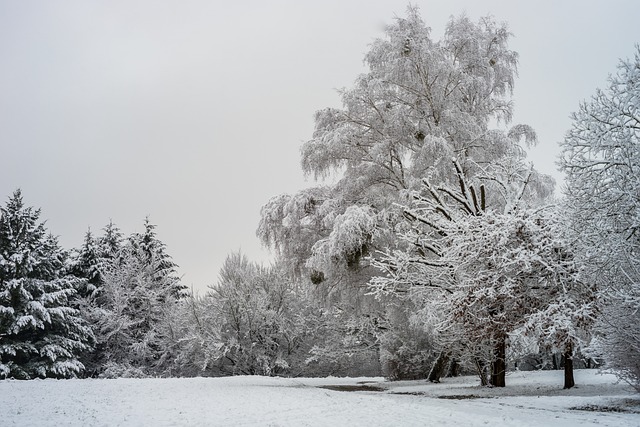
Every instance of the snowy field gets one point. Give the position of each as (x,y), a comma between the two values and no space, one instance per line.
(530,399)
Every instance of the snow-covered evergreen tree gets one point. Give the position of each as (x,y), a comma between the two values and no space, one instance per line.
(149,250)
(88,264)
(137,290)
(41,334)
(110,242)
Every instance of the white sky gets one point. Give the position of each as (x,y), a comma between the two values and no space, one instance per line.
(193,112)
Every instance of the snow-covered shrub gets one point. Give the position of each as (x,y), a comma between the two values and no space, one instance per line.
(120,370)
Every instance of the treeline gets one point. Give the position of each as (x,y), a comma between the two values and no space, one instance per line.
(97,310)
(115,307)
(439,250)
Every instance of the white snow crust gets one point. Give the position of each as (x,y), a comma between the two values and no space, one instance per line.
(530,399)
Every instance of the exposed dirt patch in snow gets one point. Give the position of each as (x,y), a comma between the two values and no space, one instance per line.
(356,387)
(461,397)
(627,406)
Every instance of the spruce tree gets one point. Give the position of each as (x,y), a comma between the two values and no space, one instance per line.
(110,243)
(139,287)
(87,264)
(151,252)
(41,334)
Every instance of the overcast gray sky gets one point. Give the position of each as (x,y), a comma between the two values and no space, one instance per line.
(193,112)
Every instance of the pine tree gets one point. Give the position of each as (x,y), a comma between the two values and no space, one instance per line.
(139,289)
(150,251)
(41,333)
(90,262)
(110,243)
(87,264)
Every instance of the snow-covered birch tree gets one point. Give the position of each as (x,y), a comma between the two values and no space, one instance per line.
(422,102)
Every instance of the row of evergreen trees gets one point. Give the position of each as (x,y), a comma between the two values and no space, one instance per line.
(94,310)
(115,307)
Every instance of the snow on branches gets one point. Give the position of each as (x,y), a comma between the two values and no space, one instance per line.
(348,241)
(488,268)
(41,333)
(601,156)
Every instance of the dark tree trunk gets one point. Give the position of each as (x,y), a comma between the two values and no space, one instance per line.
(567,357)
(499,366)
(439,367)
(454,368)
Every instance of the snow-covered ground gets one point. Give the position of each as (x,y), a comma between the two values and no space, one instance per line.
(530,399)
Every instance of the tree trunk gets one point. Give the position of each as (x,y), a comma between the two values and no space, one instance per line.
(499,366)
(567,356)
(438,368)
(481,366)
(454,368)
